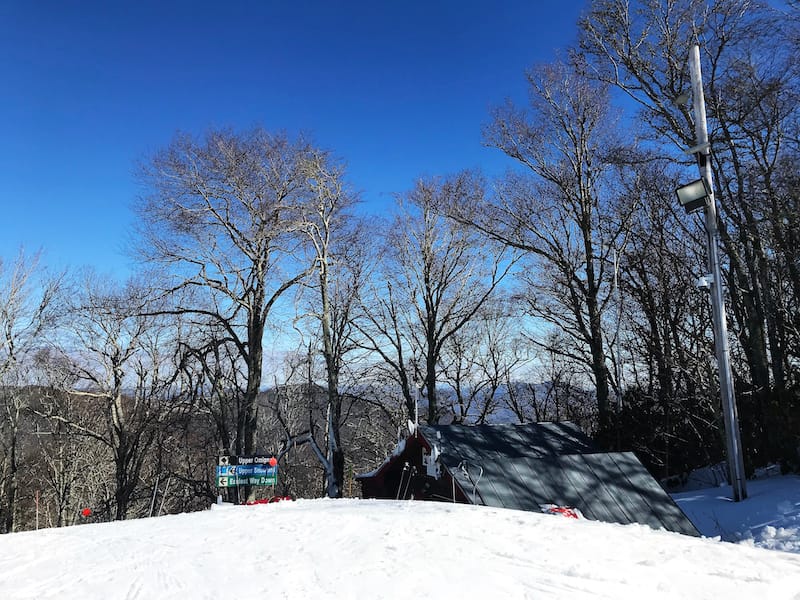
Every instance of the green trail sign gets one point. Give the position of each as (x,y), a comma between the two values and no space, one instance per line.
(235,480)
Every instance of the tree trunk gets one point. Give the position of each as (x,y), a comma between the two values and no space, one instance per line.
(11,484)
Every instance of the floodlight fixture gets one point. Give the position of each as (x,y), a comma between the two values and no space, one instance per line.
(693,196)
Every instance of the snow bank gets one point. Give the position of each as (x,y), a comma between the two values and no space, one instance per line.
(382,549)
(768,518)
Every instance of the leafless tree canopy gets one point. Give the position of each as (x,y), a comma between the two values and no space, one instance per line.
(273,314)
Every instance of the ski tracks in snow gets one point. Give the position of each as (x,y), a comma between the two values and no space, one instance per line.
(381,550)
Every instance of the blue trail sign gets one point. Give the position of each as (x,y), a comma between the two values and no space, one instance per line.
(233,471)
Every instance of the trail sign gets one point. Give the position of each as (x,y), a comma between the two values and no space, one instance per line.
(256,459)
(256,470)
(246,470)
(234,480)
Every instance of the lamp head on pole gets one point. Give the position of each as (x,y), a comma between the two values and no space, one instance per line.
(682,98)
(693,196)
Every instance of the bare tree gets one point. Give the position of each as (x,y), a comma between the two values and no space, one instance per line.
(123,370)
(338,246)
(222,213)
(750,68)
(480,360)
(28,310)
(666,411)
(556,211)
(70,467)
(438,274)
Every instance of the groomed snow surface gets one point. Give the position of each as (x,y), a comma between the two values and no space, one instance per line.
(382,549)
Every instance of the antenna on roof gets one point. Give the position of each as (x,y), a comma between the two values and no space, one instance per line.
(416,401)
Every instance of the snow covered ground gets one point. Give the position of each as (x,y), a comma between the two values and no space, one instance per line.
(769,518)
(381,549)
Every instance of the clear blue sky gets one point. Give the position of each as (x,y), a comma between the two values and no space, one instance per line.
(397,89)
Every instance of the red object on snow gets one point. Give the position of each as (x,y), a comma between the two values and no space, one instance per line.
(273,461)
(570,513)
(86,512)
(269,500)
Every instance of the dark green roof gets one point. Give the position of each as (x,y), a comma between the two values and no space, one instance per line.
(533,440)
(527,466)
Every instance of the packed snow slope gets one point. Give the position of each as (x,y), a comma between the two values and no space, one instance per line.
(382,549)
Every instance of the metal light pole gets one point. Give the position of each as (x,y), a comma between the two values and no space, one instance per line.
(702,151)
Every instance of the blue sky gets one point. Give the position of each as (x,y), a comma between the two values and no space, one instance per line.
(397,89)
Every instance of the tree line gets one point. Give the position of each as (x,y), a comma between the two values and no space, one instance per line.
(271,314)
